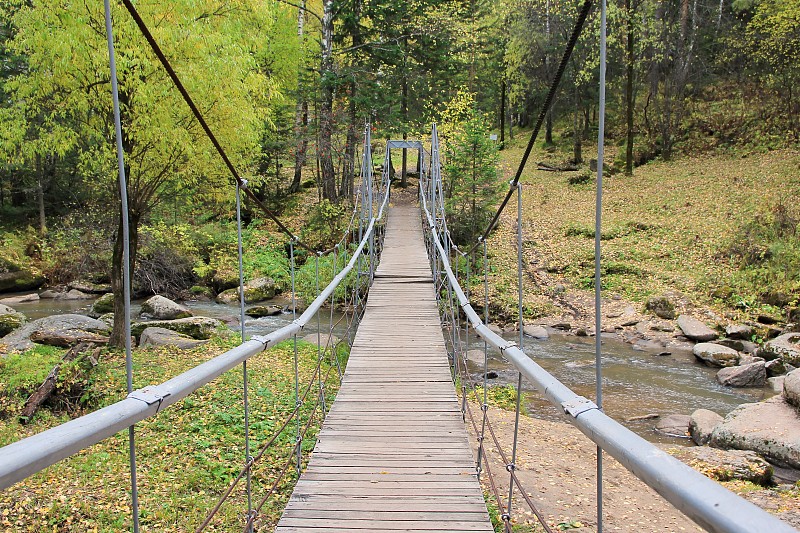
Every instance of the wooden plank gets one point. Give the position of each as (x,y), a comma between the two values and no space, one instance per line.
(393,453)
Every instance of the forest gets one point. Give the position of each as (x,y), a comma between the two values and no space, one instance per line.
(700,238)
(287,88)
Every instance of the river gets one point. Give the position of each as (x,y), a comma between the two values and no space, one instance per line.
(635,383)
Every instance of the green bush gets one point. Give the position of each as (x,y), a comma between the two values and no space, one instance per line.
(767,251)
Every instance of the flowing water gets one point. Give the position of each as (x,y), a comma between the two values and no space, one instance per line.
(635,383)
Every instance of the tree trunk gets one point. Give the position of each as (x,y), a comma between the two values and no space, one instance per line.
(40,195)
(629,101)
(117,279)
(300,115)
(502,114)
(326,106)
(349,173)
(577,132)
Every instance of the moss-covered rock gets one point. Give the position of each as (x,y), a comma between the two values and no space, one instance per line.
(20,280)
(9,320)
(661,306)
(257,290)
(199,290)
(197,327)
(103,305)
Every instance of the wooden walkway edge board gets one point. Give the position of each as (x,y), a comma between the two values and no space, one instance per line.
(393,453)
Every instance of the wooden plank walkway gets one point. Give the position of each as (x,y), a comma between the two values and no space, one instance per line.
(393,453)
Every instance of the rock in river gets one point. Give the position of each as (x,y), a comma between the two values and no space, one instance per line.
(696,330)
(750,375)
(785,347)
(702,424)
(67,325)
(770,428)
(258,311)
(791,387)
(674,425)
(162,308)
(739,332)
(715,354)
(256,290)
(537,332)
(197,327)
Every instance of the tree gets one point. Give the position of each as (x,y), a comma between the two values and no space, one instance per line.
(470,170)
(67,82)
(773,36)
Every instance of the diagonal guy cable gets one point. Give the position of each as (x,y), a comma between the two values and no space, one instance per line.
(188,99)
(548,102)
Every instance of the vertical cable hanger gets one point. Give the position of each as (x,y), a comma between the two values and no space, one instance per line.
(597,250)
(126,257)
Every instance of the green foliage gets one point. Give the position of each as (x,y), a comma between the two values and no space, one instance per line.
(194,450)
(306,282)
(471,180)
(767,250)
(326,224)
(78,246)
(217,248)
(773,38)
(21,374)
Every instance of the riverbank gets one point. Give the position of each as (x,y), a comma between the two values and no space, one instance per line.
(556,465)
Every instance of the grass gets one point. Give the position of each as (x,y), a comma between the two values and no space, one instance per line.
(186,455)
(671,226)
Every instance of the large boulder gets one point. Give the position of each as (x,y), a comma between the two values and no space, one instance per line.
(751,375)
(75,294)
(89,287)
(725,465)
(258,311)
(674,425)
(702,424)
(21,299)
(103,305)
(535,331)
(776,367)
(791,387)
(197,327)
(162,308)
(9,320)
(716,354)
(740,332)
(166,337)
(696,330)
(65,325)
(770,428)
(661,306)
(17,278)
(256,290)
(785,347)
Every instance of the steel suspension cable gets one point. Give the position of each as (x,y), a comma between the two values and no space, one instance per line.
(548,102)
(245,399)
(203,124)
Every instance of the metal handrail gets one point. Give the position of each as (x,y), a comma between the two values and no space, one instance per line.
(703,500)
(25,457)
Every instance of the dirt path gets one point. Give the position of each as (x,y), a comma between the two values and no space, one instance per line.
(556,464)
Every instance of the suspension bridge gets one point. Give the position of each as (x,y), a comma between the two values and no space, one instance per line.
(392,453)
